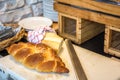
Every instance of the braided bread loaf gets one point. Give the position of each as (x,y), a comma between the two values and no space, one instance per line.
(37,56)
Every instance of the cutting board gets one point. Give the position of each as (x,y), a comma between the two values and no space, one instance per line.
(28,74)
(96,67)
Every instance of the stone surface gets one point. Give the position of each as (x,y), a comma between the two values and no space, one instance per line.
(40,0)
(15,15)
(29,2)
(49,11)
(7,5)
(15,10)
(37,9)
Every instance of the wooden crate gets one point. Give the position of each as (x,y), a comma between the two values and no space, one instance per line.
(77,29)
(112,41)
(92,10)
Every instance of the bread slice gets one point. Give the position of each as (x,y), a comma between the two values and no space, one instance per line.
(53,40)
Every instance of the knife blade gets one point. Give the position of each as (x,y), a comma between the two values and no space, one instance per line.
(80,74)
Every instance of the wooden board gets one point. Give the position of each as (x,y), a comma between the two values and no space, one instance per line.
(96,67)
(28,74)
(88,15)
(94,5)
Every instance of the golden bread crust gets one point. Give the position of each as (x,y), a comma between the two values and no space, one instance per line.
(33,60)
(37,56)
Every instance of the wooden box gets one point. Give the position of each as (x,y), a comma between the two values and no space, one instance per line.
(77,29)
(91,10)
(112,41)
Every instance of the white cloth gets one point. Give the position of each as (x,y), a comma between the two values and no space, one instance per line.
(37,35)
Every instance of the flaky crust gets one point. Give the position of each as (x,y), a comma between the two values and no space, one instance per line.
(37,56)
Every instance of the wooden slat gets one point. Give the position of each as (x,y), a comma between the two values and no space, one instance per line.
(115,29)
(78,29)
(114,51)
(91,31)
(107,39)
(73,38)
(94,5)
(75,60)
(97,17)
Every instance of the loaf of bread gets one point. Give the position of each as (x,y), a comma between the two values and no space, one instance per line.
(37,56)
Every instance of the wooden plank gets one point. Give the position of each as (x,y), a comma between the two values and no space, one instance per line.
(107,39)
(94,5)
(85,23)
(98,67)
(73,38)
(91,28)
(91,31)
(114,28)
(60,30)
(75,60)
(114,51)
(85,14)
(78,30)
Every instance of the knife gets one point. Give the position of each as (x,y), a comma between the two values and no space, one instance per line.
(75,61)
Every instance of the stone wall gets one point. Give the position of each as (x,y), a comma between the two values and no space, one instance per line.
(15,10)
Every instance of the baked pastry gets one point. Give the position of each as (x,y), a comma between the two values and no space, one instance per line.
(37,56)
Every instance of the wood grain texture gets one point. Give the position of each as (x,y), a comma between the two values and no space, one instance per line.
(80,73)
(106,39)
(112,41)
(94,5)
(82,29)
(89,15)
